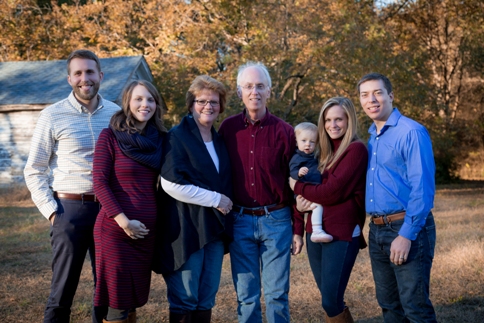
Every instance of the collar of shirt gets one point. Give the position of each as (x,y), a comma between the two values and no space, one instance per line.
(262,121)
(391,122)
(304,155)
(82,109)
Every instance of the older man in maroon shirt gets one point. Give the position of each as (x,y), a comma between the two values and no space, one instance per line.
(260,146)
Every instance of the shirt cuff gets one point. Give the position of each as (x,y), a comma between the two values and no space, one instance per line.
(48,208)
(408,231)
(298,188)
(298,228)
(217,199)
(298,222)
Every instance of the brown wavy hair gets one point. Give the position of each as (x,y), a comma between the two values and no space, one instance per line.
(84,54)
(123,119)
(205,82)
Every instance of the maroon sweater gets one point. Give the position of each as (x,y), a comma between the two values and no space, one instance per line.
(341,193)
(259,156)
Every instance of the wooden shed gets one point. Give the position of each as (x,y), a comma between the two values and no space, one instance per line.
(28,87)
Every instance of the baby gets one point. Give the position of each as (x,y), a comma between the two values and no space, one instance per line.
(304,167)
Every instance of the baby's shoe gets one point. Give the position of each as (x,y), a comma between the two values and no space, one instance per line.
(321,236)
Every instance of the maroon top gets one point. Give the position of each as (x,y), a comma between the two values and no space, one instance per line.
(259,155)
(341,193)
(123,265)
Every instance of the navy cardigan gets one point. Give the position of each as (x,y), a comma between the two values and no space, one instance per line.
(185,228)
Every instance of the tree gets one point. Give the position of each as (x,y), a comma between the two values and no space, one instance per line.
(431,50)
(447,35)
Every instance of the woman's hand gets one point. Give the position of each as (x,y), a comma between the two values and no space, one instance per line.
(133,228)
(303,205)
(297,244)
(292,183)
(225,205)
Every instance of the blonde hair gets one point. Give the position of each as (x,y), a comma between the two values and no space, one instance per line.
(328,157)
(305,126)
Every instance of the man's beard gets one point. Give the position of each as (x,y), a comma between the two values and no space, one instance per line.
(87,96)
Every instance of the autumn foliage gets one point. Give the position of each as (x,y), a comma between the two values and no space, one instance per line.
(432,50)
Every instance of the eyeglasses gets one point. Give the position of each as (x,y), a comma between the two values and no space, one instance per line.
(250,87)
(204,103)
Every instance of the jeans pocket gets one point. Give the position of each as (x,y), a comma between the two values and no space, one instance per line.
(234,217)
(281,215)
(396,226)
(432,237)
(57,219)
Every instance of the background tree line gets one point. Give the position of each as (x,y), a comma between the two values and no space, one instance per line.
(433,51)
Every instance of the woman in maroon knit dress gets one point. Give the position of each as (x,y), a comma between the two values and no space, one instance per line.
(127,162)
(342,161)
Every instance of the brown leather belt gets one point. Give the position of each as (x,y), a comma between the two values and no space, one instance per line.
(387,219)
(77,197)
(261,210)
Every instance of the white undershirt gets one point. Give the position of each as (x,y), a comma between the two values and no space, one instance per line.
(193,194)
(213,154)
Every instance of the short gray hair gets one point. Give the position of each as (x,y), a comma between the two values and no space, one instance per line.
(258,65)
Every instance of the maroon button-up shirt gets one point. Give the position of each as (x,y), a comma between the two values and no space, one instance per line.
(259,155)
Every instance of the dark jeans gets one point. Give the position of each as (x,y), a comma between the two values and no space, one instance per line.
(403,291)
(71,238)
(331,264)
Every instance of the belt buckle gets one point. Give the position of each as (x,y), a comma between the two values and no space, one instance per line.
(266,209)
(259,209)
(383,217)
(373,217)
(385,220)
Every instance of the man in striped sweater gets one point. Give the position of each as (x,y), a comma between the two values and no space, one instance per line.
(58,173)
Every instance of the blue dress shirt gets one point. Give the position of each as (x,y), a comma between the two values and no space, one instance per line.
(401,172)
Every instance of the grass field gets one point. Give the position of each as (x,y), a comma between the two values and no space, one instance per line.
(457,282)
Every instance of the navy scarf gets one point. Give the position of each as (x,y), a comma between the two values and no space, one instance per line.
(145,149)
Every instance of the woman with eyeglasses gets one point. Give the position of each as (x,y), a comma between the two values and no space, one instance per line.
(197,179)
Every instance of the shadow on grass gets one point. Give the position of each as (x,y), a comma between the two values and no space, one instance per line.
(461,185)
(463,310)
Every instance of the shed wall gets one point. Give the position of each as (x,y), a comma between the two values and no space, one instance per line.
(16,129)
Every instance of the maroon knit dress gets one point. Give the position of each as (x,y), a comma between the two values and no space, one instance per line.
(123,265)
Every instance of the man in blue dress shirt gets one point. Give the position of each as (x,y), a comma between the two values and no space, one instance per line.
(400,189)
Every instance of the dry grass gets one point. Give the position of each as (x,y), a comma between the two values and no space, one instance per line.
(15,195)
(457,286)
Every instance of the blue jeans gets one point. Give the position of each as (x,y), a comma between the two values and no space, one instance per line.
(194,286)
(71,238)
(261,254)
(403,291)
(331,264)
